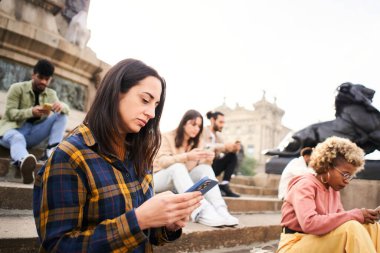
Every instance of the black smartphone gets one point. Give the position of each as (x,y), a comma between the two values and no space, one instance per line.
(203,185)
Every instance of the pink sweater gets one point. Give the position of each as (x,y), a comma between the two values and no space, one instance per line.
(311,208)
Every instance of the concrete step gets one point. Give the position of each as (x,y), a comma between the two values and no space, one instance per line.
(270,181)
(18,234)
(15,195)
(18,231)
(243,180)
(253,228)
(253,190)
(8,171)
(253,204)
(266,247)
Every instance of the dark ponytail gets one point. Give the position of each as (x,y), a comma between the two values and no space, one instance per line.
(214,115)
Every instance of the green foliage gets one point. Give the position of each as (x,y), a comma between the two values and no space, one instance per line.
(247,167)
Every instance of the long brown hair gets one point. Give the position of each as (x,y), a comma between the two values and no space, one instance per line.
(180,131)
(103,118)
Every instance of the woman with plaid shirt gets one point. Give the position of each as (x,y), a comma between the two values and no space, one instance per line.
(95,193)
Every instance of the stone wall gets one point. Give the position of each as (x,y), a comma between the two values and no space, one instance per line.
(361,193)
(68,91)
(23,41)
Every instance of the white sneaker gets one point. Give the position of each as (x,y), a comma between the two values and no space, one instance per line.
(209,217)
(229,220)
(27,166)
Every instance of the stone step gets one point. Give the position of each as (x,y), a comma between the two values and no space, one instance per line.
(18,234)
(15,195)
(253,204)
(7,170)
(243,180)
(19,196)
(270,181)
(253,228)
(266,247)
(37,151)
(253,190)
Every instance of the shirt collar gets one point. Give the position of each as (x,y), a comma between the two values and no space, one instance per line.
(90,141)
(87,135)
(30,87)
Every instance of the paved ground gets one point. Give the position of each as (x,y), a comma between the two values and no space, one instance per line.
(246,220)
(268,247)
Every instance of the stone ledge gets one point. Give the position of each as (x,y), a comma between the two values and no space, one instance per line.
(248,204)
(253,190)
(28,43)
(222,238)
(18,234)
(14,195)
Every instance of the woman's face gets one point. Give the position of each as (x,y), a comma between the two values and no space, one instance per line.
(137,106)
(192,127)
(341,175)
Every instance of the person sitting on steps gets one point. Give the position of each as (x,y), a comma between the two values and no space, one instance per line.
(33,114)
(225,153)
(182,161)
(312,215)
(296,167)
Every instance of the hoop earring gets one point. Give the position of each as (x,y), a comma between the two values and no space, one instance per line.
(328,178)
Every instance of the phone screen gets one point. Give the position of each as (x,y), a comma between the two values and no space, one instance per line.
(203,185)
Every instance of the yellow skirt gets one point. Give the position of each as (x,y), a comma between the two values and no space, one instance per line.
(350,237)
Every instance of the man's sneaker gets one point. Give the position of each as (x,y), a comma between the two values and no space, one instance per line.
(226,191)
(27,166)
(209,217)
(229,220)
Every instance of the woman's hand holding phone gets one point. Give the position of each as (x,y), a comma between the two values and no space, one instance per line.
(168,209)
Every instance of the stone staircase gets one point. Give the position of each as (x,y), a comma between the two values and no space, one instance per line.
(258,211)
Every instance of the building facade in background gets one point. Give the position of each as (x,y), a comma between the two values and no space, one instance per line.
(258,129)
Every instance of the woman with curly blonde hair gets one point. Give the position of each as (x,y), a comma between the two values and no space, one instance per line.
(313,217)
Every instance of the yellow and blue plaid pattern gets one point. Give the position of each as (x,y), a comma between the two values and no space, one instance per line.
(84,201)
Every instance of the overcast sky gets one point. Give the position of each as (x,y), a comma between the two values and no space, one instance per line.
(297,51)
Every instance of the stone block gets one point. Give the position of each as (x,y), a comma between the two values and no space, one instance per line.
(15,196)
(4,167)
(66,53)
(3,27)
(243,180)
(202,241)
(253,204)
(361,193)
(18,36)
(21,28)
(45,42)
(253,190)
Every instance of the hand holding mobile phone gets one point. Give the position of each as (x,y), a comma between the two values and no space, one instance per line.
(203,185)
(47,106)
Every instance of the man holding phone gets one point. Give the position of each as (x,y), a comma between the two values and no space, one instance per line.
(33,114)
(225,153)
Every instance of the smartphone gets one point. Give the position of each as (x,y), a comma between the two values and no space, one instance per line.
(47,106)
(203,185)
(208,147)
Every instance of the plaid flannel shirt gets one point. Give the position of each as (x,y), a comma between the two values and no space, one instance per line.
(84,201)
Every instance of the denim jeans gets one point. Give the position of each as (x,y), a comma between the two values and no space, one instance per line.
(177,176)
(30,135)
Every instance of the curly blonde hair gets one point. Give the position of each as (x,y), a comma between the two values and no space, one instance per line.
(334,151)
